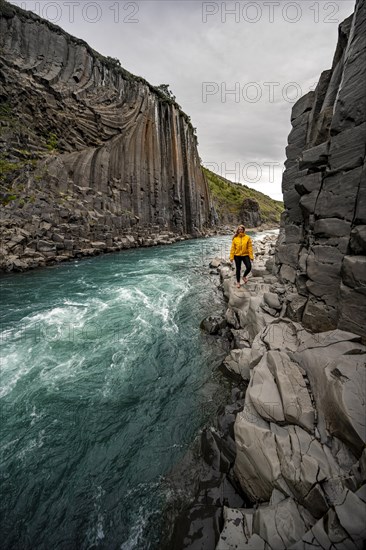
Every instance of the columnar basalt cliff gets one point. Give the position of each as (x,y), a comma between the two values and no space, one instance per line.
(322,247)
(90,153)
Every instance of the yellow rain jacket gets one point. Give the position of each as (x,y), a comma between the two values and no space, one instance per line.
(241,246)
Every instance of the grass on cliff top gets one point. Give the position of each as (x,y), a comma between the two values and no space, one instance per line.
(228,197)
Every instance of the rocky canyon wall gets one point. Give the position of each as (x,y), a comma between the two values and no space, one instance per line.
(288,460)
(90,153)
(321,252)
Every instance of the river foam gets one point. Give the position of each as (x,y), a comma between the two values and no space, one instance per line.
(106,380)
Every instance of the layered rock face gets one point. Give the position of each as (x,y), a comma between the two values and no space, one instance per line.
(321,253)
(103,153)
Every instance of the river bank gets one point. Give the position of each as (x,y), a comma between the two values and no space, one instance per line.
(39,243)
(290,447)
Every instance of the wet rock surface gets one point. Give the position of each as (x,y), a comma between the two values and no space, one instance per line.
(301,434)
(213,325)
(292,447)
(201,522)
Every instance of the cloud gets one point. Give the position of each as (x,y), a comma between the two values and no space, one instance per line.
(251,47)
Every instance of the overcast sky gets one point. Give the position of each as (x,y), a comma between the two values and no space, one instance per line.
(267,53)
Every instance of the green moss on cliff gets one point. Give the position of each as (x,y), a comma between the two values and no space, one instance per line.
(15,170)
(228,199)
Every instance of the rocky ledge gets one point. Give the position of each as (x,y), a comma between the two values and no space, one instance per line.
(299,455)
(39,243)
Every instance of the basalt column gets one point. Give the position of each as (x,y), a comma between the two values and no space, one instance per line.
(108,149)
(321,253)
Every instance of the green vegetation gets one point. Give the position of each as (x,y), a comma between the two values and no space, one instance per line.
(228,198)
(5,111)
(14,172)
(7,167)
(52,142)
(5,198)
(125,212)
(9,170)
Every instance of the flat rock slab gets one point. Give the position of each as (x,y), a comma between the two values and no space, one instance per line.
(281,525)
(296,401)
(341,528)
(344,403)
(256,465)
(264,394)
(337,374)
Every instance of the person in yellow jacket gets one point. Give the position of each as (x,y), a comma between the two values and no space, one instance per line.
(242,251)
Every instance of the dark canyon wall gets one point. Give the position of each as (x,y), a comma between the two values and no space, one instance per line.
(321,253)
(89,151)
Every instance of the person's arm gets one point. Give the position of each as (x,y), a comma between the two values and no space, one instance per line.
(232,251)
(250,249)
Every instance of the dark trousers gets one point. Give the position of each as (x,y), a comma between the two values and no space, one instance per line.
(247,263)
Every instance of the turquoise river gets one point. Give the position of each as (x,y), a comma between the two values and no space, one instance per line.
(106,380)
